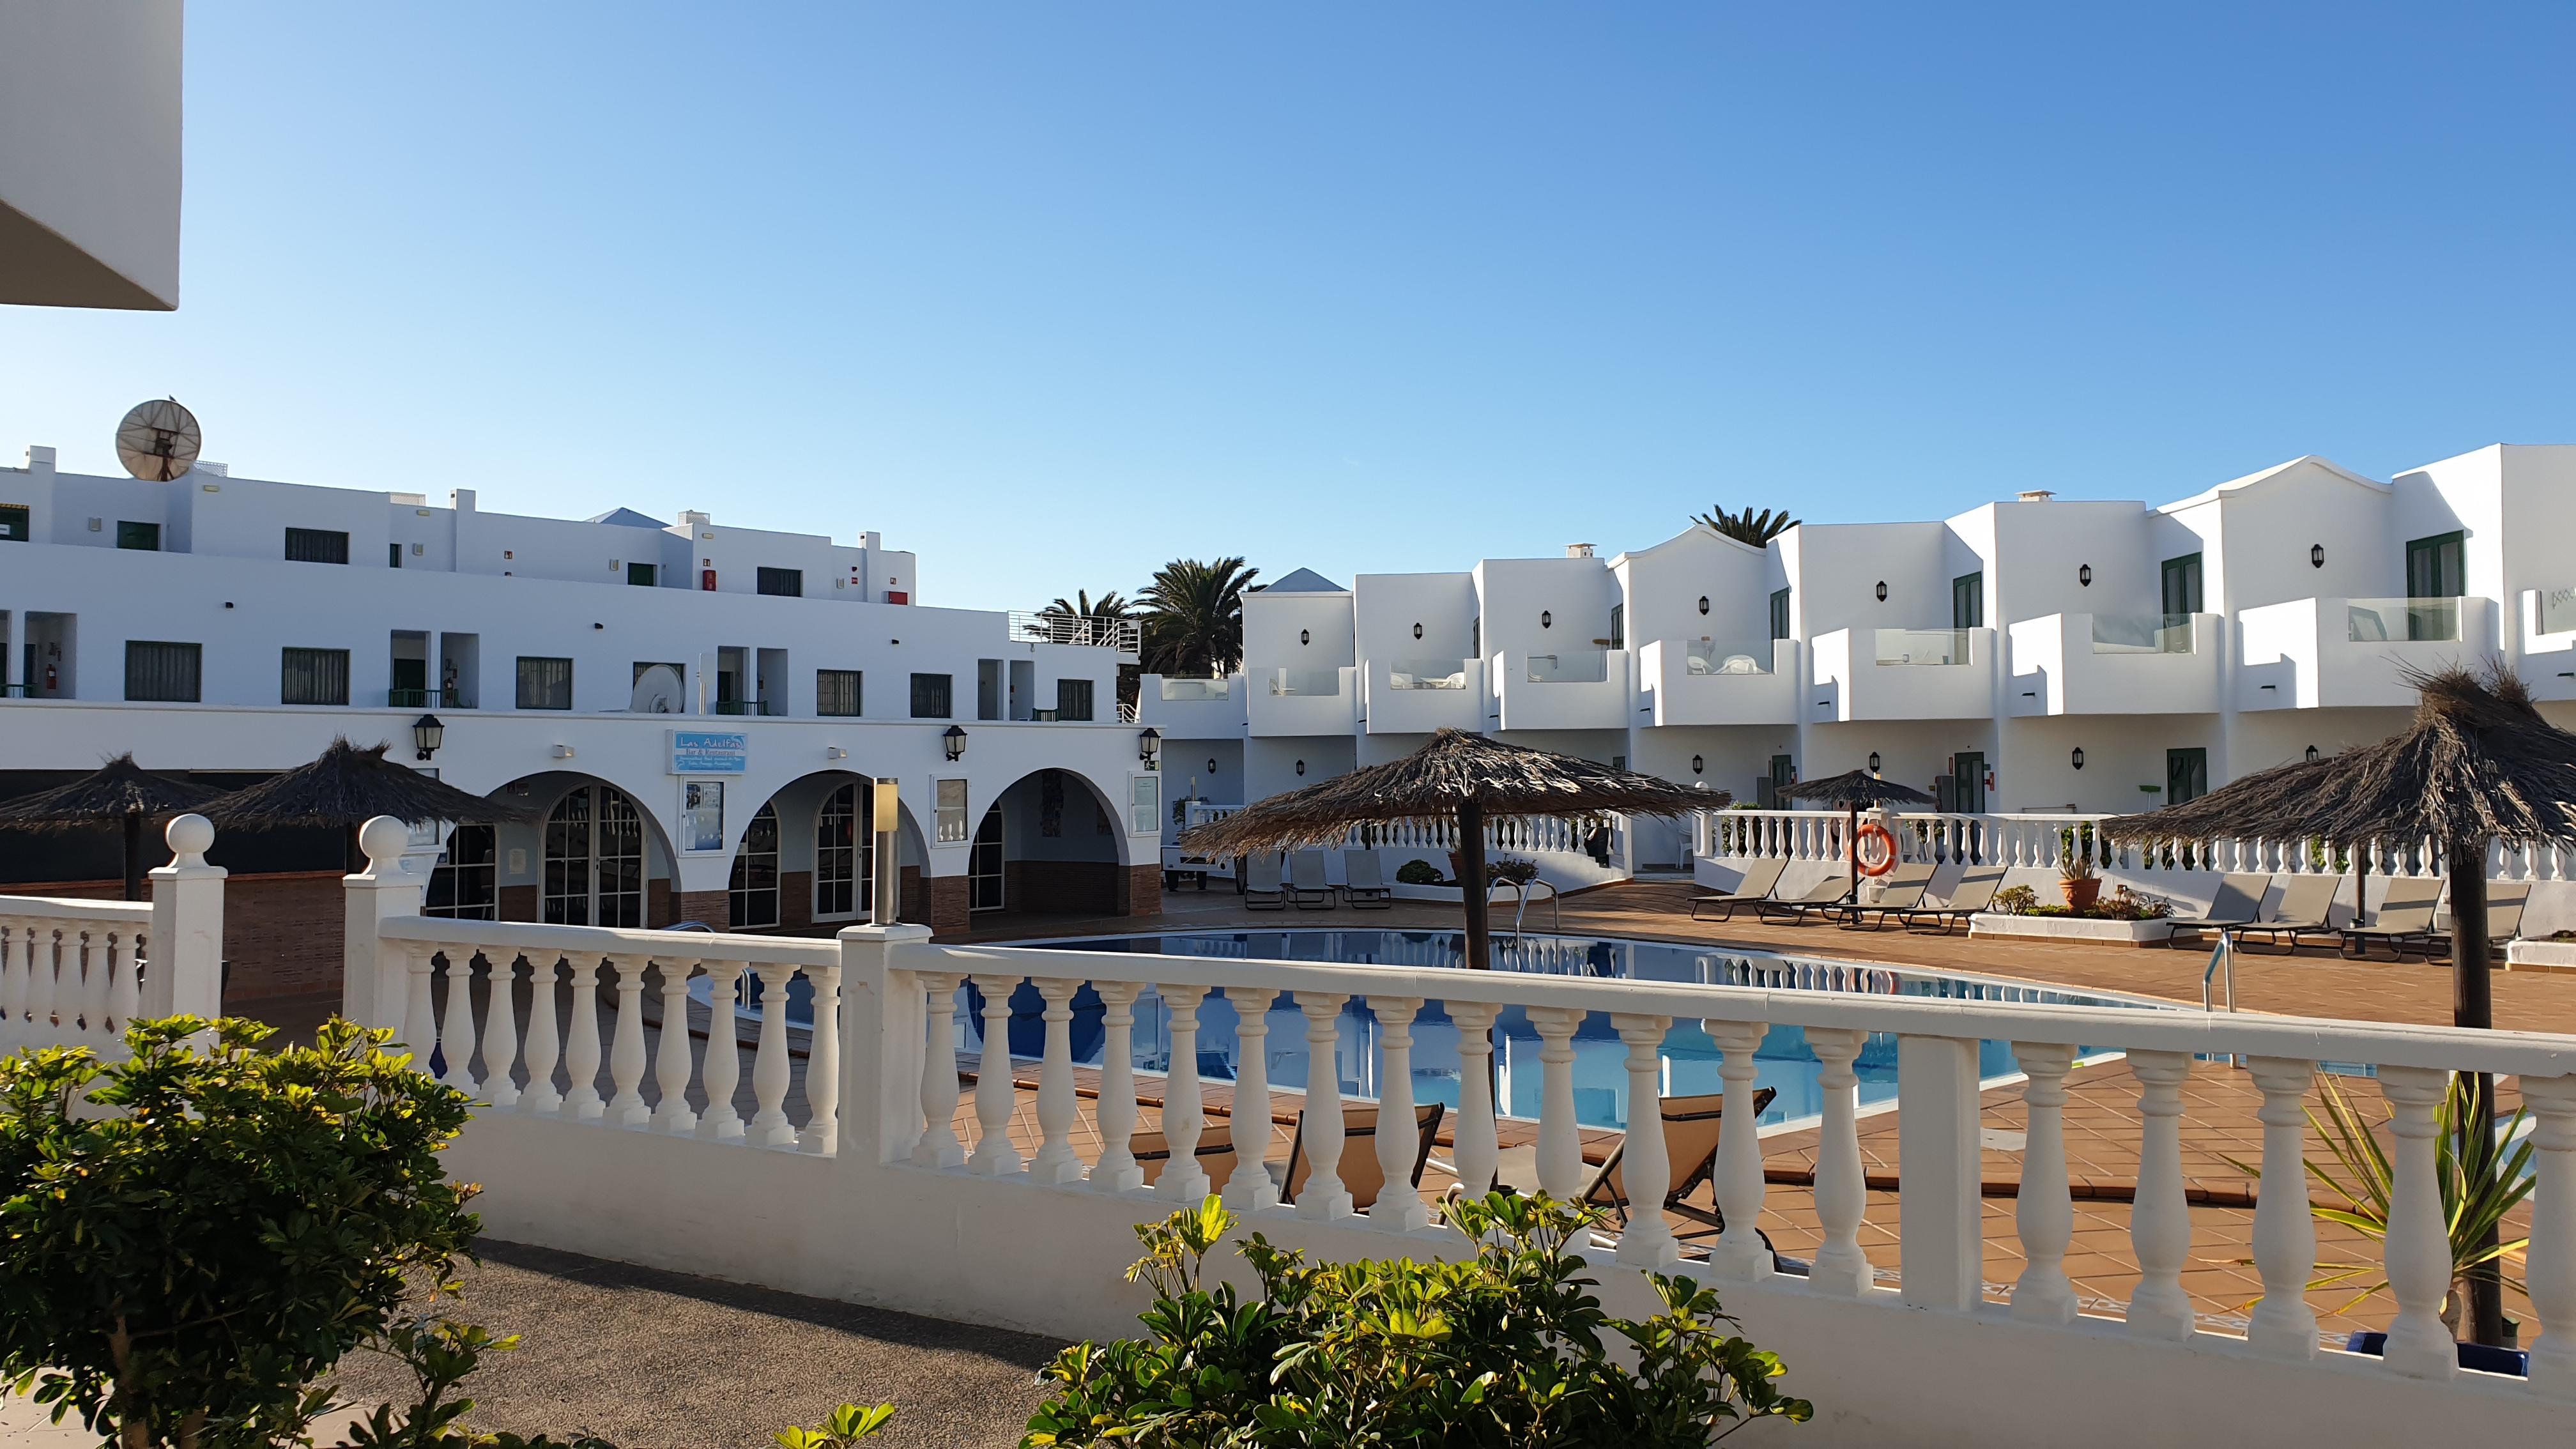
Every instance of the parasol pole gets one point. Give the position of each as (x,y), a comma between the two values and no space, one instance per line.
(2473,1006)
(1851,843)
(1471,882)
(134,855)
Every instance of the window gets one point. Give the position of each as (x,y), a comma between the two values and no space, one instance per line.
(2186,775)
(14,523)
(786,583)
(930,696)
(2436,567)
(644,576)
(594,868)
(1073,699)
(753,892)
(1144,804)
(1618,626)
(844,864)
(836,692)
(313,676)
(984,863)
(143,536)
(544,683)
(1780,614)
(1968,601)
(465,884)
(2182,585)
(952,812)
(167,672)
(316,545)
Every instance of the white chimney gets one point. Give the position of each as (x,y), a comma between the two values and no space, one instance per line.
(40,459)
(1578,550)
(871,541)
(461,499)
(2035,495)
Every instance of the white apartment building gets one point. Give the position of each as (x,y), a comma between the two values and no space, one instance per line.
(2042,654)
(694,710)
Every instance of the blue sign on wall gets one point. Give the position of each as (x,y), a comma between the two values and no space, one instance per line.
(709,752)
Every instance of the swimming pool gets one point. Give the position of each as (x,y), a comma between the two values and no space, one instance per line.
(1690,1059)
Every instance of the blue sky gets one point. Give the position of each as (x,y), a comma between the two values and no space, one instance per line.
(1052,293)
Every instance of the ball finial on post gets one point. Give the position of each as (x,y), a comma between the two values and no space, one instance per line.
(384,839)
(189,837)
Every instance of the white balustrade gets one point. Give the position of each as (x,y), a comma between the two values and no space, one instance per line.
(2418,1245)
(1398,1139)
(2551,1270)
(822,1133)
(2160,1216)
(1117,1170)
(1560,1145)
(1323,1195)
(671,1053)
(1645,1163)
(501,1030)
(627,1107)
(1183,1180)
(1250,1187)
(1842,1189)
(581,1045)
(1739,1252)
(1055,1161)
(938,1145)
(456,1026)
(994,1095)
(2045,1211)
(2285,1232)
(1475,1137)
(545,1035)
(769,1126)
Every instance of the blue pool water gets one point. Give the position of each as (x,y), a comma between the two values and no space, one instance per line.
(1600,1063)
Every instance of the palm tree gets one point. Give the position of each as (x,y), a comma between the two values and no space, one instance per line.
(1193,614)
(1748,526)
(1110,606)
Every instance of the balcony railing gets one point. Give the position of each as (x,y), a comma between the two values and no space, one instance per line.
(2557,611)
(425,699)
(2142,633)
(1568,666)
(1702,656)
(1922,646)
(1427,674)
(1193,689)
(749,707)
(2373,621)
(1082,630)
(1314,682)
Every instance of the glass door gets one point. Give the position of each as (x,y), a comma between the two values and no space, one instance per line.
(2182,584)
(2186,775)
(984,864)
(1968,601)
(1968,771)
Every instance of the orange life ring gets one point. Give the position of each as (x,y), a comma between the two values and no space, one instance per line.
(1874,850)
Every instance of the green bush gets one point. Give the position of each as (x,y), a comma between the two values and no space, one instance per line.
(2018,900)
(1509,1347)
(177,1267)
(1417,872)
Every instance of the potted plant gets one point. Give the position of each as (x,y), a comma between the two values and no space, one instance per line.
(2078,882)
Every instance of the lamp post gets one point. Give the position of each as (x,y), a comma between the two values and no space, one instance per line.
(427,734)
(888,854)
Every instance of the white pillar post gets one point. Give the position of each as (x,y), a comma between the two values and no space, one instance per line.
(186,975)
(883,1055)
(1940,1233)
(2551,1270)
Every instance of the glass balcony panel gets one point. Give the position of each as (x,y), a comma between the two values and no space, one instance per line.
(1570,666)
(2375,621)
(1306,681)
(1427,674)
(1701,656)
(1922,646)
(2142,633)
(2557,611)
(1192,689)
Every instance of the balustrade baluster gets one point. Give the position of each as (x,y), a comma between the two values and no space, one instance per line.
(994,1096)
(1116,1169)
(1323,1195)
(938,1145)
(1842,1191)
(45,981)
(501,1029)
(822,1134)
(627,1108)
(124,985)
(1560,1142)
(2160,1218)
(1183,1180)
(1399,1207)
(1645,1164)
(2285,1233)
(769,1126)
(1055,1161)
(2044,1214)
(2418,1246)
(420,1015)
(581,1044)
(672,1052)
(545,1038)
(2550,1270)
(1739,1252)
(1250,1187)
(456,1023)
(1474,1137)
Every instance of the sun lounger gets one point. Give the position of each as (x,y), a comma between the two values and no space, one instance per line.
(2505,900)
(1262,890)
(1153,1153)
(1828,895)
(2405,916)
(2239,902)
(1899,891)
(1759,879)
(2302,911)
(1361,1177)
(1364,881)
(1307,888)
(1975,891)
(1691,1126)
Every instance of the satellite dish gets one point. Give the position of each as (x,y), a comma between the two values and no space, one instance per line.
(657,691)
(158,441)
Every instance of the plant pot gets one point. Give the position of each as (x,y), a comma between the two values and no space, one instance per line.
(2081,894)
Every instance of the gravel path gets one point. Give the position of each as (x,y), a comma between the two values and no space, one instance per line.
(655,1360)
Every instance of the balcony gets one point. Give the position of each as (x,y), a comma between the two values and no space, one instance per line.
(1303,701)
(2115,664)
(1697,682)
(1082,631)
(2549,642)
(1570,689)
(426,699)
(2343,653)
(1898,674)
(752,707)
(1417,696)
(1192,709)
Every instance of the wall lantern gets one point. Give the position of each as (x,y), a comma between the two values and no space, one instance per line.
(1873,762)
(2312,754)
(2316,555)
(1149,746)
(1882,591)
(1703,603)
(2078,757)
(1301,767)
(1211,765)
(954,738)
(1546,620)
(1417,631)
(1304,637)
(427,734)
(2084,576)
(1698,764)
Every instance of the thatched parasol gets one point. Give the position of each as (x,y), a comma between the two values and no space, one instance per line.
(347,787)
(1454,776)
(119,790)
(1855,791)
(2478,765)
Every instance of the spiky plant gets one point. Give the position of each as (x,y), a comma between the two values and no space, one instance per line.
(1747,526)
(1193,616)
(1110,605)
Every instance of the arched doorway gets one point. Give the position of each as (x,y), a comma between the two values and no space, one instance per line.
(753,891)
(593,872)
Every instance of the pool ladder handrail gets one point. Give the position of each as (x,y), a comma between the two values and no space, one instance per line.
(1555,906)
(2223,954)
